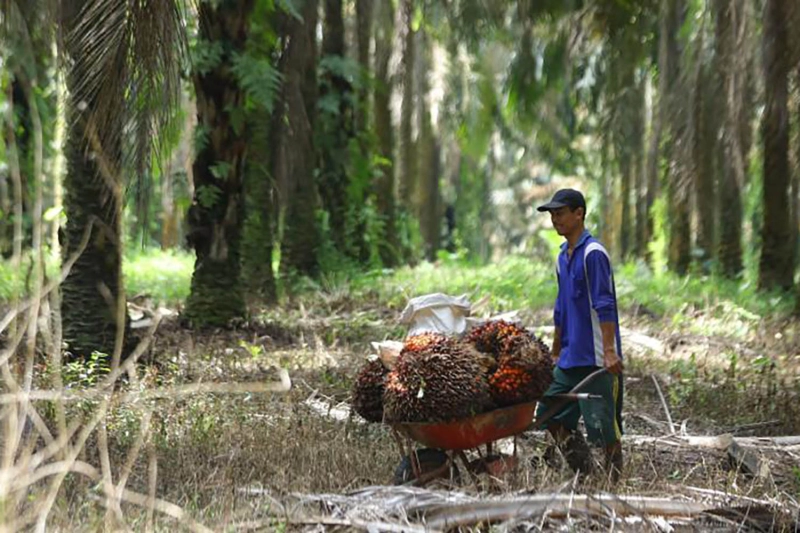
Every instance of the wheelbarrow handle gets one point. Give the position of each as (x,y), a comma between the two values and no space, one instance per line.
(575,396)
(588,379)
(561,399)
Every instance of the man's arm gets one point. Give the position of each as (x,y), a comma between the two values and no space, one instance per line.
(556,343)
(610,356)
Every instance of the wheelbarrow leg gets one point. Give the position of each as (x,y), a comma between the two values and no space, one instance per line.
(411,454)
(472,475)
(415,464)
(422,479)
(399,440)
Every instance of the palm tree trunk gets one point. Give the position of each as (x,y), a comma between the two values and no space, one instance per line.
(485,214)
(796,167)
(179,164)
(264,130)
(729,251)
(263,174)
(678,194)
(430,197)
(217,213)
(625,173)
(92,203)
(429,153)
(407,156)
(364,16)
(654,158)
(605,229)
(385,182)
(639,165)
(336,130)
(776,265)
(704,146)
(301,239)
(169,212)
(797,191)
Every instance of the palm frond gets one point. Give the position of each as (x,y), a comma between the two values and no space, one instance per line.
(128,56)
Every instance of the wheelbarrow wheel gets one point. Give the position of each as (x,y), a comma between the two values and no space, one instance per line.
(430,461)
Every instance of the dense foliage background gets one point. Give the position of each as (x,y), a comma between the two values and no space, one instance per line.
(291,140)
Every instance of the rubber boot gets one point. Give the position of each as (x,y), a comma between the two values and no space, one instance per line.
(577,453)
(614,462)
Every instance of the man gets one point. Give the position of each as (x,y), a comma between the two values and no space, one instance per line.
(586,339)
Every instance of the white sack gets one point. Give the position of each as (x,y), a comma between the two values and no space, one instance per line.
(436,313)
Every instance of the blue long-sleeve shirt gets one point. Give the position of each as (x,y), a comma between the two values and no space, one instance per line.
(586,297)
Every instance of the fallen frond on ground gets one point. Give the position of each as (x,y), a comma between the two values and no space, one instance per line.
(384,508)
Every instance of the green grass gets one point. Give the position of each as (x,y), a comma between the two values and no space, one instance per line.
(664,293)
(514,283)
(165,276)
(726,307)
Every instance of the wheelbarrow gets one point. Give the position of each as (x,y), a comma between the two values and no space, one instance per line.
(446,441)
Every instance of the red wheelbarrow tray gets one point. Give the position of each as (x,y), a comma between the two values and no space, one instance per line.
(468,433)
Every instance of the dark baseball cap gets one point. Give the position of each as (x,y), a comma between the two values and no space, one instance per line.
(564,198)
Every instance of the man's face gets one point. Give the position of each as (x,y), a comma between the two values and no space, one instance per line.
(565,220)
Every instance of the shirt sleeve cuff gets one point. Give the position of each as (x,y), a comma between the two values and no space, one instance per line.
(606,315)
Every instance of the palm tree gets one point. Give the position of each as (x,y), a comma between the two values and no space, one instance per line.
(336,128)
(116,78)
(732,148)
(364,23)
(385,182)
(670,55)
(301,238)
(428,195)
(776,265)
(705,115)
(217,213)
(407,157)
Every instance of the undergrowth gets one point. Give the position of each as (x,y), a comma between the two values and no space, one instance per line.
(216,451)
(514,283)
(165,276)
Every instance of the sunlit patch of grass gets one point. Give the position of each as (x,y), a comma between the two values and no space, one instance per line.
(703,304)
(515,283)
(164,275)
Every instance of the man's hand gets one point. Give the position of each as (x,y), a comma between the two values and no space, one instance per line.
(611,358)
(612,361)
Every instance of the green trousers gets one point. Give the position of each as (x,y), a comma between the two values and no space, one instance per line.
(602,417)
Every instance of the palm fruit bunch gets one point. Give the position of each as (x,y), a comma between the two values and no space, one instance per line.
(489,336)
(367,393)
(528,343)
(523,366)
(440,382)
(525,370)
(433,342)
